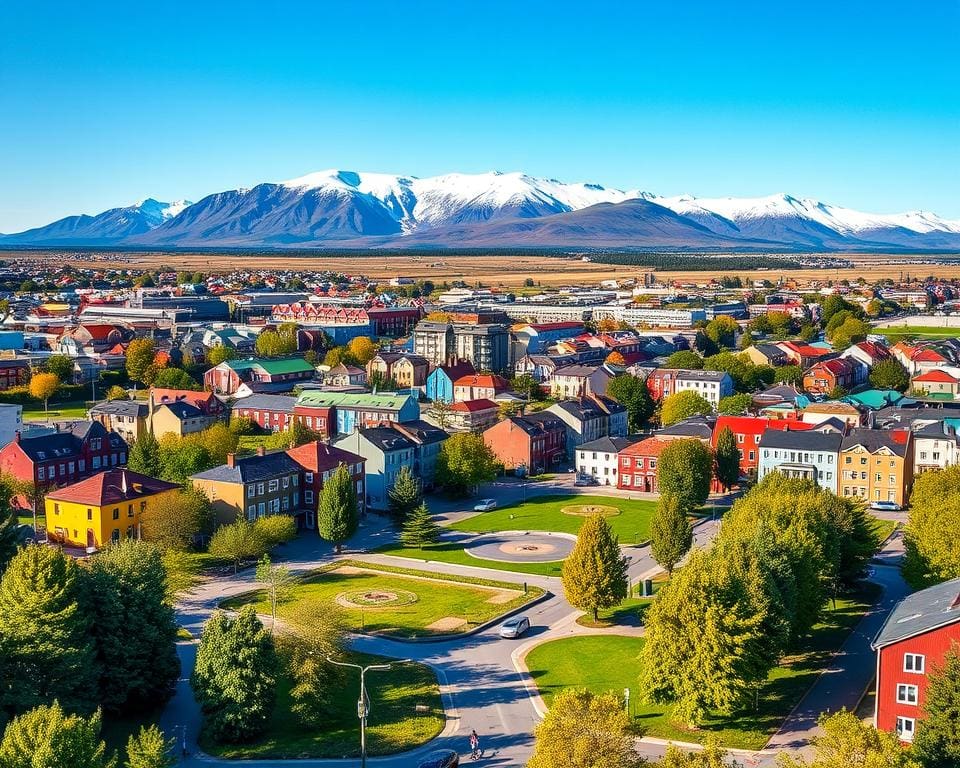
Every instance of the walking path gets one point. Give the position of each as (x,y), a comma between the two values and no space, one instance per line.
(483,682)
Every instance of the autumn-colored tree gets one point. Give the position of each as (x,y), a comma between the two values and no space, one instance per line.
(43,386)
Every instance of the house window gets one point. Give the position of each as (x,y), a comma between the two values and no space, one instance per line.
(906,694)
(89,514)
(41,473)
(308,497)
(261,509)
(82,465)
(905,726)
(251,512)
(260,489)
(274,485)
(913,662)
(250,493)
(116,514)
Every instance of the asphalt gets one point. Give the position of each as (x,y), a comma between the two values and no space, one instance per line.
(483,681)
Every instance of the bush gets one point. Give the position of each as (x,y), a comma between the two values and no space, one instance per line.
(275,529)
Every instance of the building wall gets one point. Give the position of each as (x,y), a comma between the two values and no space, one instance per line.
(226,499)
(599,465)
(86,525)
(823,463)
(933,453)
(638,473)
(510,444)
(11,422)
(892,484)
(932,646)
(163,422)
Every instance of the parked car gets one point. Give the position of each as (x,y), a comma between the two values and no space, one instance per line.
(514,627)
(442,758)
(584,480)
(485,505)
(885,506)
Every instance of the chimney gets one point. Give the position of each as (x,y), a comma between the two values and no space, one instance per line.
(231,460)
(261,451)
(16,437)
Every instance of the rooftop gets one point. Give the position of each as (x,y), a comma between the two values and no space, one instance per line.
(111,487)
(921,612)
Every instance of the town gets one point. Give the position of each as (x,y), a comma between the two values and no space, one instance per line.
(716,517)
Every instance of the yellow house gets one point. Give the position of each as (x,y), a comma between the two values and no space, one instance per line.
(877,465)
(102,509)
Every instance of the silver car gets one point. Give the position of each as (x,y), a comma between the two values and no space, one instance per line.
(514,627)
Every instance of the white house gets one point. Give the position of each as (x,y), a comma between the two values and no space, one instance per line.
(11,422)
(934,447)
(598,459)
(810,454)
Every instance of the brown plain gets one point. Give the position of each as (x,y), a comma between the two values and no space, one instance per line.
(491,271)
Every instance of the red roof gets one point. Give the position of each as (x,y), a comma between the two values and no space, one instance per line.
(112,487)
(836,366)
(876,351)
(740,425)
(482,380)
(562,326)
(928,356)
(199,399)
(473,406)
(652,446)
(320,457)
(936,376)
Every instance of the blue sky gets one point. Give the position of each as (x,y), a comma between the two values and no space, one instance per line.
(855,103)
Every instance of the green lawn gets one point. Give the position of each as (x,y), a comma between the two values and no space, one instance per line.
(448,552)
(883,528)
(542,513)
(614,666)
(928,331)
(69,410)
(394,724)
(434,605)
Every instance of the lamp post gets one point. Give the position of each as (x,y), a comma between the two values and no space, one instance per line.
(363,703)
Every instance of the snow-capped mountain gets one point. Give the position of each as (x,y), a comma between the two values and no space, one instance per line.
(109,227)
(336,208)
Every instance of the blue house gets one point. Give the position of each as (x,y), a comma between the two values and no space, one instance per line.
(350,411)
(440,380)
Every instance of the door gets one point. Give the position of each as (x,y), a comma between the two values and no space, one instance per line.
(311,519)
(91,538)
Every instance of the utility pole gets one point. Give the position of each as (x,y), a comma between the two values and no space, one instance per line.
(363,703)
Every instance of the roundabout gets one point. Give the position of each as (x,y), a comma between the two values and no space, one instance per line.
(518,547)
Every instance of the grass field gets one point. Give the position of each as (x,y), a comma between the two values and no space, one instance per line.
(883,528)
(394,724)
(69,410)
(614,665)
(448,552)
(543,513)
(926,331)
(426,605)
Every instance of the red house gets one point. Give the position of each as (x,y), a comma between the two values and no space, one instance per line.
(536,442)
(51,458)
(822,377)
(318,461)
(638,465)
(14,373)
(912,642)
(747,430)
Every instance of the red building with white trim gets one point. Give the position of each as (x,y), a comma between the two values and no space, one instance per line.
(912,642)
(638,465)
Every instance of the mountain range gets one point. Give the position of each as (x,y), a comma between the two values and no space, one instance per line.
(344,209)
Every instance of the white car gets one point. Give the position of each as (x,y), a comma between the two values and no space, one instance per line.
(514,627)
(885,506)
(485,505)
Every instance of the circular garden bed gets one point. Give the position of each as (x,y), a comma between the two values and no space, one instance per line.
(589,510)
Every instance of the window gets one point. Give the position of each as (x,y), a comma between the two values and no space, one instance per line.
(286,482)
(309,477)
(250,493)
(89,514)
(251,511)
(913,662)
(274,485)
(41,473)
(906,694)
(260,488)
(308,497)
(116,513)
(905,728)
(82,465)
(261,508)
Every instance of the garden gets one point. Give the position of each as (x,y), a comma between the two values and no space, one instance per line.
(399,602)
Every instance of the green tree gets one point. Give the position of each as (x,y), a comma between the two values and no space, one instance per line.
(313,632)
(685,359)
(144,455)
(48,737)
(217,355)
(632,393)
(937,741)
(711,756)
(833,304)
(525,384)
(234,678)
(807,332)
(150,748)
(405,496)
(745,341)
(60,366)
(735,405)
(441,412)
(116,392)
(133,626)
(174,520)
(585,730)
(275,529)
(788,374)
(722,330)
(9,531)
(684,469)
(45,634)
(781,324)
(419,528)
(464,462)
(890,374)
(237,542)
(361,349)
(683,405)
(671,534)
(43,386)
(727,459)
(140,355)
(337,510)
(850,332)
(273,344)
(846,741)
(594,575)
(175,378)
(277,582)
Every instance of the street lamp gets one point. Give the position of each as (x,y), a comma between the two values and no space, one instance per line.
(363,703)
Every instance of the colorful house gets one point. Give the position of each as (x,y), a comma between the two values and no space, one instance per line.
(440,380)
(350,411)
(877,465)
(638,465)
(826,375)
(535,442)
(913,641)
(104,508)
(318,462)
(477,386)
(259,375)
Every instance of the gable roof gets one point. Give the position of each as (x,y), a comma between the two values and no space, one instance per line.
(473,406)
(928,609)
(320,457)
(251,469)
(489,380)
(201,400)
(609,444)
(937,375)
(894,440)
(111,487)
(387,401)
(801,440)
(650,446)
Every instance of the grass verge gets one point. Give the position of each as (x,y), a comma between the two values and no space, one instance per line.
(394,725)
(883,528)
(450,552)
(543,513)
(614,665)
(443,604)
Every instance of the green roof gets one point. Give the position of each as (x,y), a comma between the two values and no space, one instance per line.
(294,365)
(389,401)
(875,399)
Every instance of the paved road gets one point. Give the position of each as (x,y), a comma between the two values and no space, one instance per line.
(481,687)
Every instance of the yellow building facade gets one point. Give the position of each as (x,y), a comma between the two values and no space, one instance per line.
(103,509)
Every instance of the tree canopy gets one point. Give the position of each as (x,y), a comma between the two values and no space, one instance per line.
(684,470)
(337,510)
(594,575)
(464,462)
(932,536)
(632,393)
(683,405)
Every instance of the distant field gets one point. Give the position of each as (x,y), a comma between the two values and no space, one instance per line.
(929,331)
